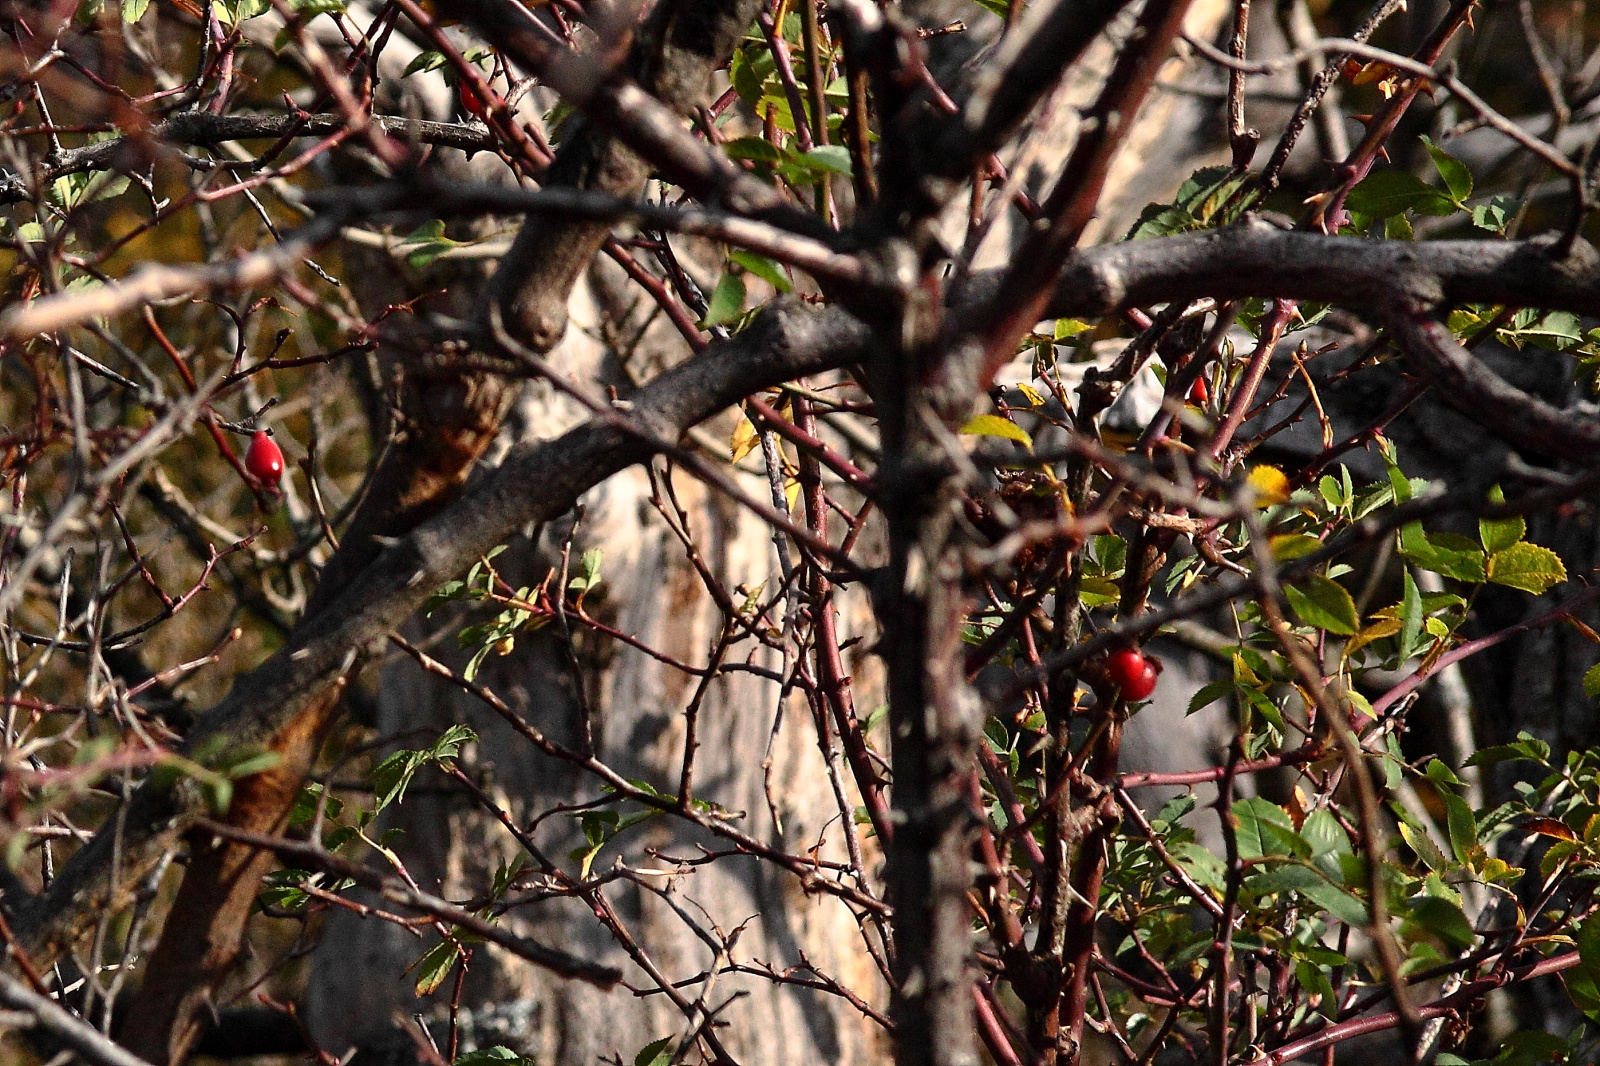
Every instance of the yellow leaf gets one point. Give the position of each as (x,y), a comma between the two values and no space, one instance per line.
(743,441)
(1118,442)
(1034,398)
(995,426)
(1271,485)
(1387,627)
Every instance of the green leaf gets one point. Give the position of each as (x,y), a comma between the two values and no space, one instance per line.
(762,267)
(1420,842)
(1317,985)
(1591,682)
(1391,192)
(1264,828)
(1457,178)
(1583,992)
(833,158)
(1588,938)
(1525,566)
(424,61)
(1526,746)
(1337,902)
(133,10)
(1444,920)
(727,301)
(1324,833)
(1441,776)
(1446,554)
(435,966)
(1556,331)
(1463,826)
(1495,215)
(1293,546)
(1213,692)
(1410,619)
(254,764)
(995,426)
(1498,534)
(588,576)
(1324,604)
(656,1053)
(492,1056)
(754,149)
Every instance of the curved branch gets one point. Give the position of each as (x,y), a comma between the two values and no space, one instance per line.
(1256,258)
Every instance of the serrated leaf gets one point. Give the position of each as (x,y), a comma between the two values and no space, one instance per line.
(1264,828)
(655,1053)
(1444,920)
(1441,775)
(1457,178)
(1384,627)
(1210,694)
(1525,566)
(1324,833)
(1556,331)
(1421,843)
(1591,682)
(1337,902)
(1550,827)
(995,426)
(492,1056)
(1446,554)
(1507,752)
(1410,618)
(1324,604)
(1498,534)
(1462,825)
(1386,193)
(435,966)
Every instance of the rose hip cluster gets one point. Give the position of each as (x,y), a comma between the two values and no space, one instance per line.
(1132,673)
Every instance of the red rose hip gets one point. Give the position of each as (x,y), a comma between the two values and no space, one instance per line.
(1133,674)
(471,102)
(264,460)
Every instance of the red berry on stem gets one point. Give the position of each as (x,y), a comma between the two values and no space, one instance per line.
(471,102)
(1199,393)
(264,460)
(1133,674)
